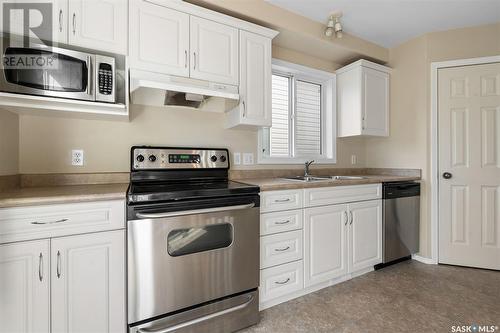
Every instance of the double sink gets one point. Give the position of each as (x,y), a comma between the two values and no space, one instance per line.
(323,178)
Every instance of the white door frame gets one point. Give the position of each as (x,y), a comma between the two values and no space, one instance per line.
(434,179)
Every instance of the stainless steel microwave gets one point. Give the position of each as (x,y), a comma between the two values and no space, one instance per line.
(57,72)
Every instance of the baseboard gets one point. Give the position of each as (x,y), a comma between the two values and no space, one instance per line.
(428,261)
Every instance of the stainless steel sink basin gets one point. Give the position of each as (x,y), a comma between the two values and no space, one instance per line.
(346,177)
(307,178)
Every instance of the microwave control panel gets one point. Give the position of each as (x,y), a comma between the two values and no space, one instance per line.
(105,79)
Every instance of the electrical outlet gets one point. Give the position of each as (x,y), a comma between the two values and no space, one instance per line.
(236,158)
(354,159)
(247,158)
(77,157)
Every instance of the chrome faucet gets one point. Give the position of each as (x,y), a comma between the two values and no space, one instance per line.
(306,168)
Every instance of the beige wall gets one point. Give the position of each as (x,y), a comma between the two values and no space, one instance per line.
(9,143)
(409,141)
(46,142)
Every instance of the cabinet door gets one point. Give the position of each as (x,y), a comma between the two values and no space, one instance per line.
(53,11)
(88,283)
(214,51)
(24,287)
(255,79)
(375,118)
(325,255)
(99,24)
(159,39)
(365,234)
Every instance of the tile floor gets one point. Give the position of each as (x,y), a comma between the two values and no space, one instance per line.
(407,297)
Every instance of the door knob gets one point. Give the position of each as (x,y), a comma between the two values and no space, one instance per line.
(447,175)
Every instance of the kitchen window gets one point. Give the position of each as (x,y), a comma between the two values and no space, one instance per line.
(303,116)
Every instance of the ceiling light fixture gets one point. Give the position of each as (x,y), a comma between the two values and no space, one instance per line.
(334,26)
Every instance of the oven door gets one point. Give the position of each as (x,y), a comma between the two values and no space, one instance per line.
(47,71)
(183,258)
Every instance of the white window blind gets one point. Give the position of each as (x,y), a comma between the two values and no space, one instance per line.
(279,135)
(307,119)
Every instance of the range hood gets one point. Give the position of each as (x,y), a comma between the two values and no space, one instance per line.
(147,88)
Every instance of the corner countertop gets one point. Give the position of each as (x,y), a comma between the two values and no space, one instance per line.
(272,184)
(31,196)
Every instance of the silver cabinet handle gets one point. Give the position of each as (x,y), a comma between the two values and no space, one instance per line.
(282,200)
(185,58)
(197,320)
(350,213)
(282,282)
(50,222)
(346,219)
(282,222)
(58,268)
(194,60)
(40,267)
(244,109)
(282,249)
(60,20)
(74,23)
(193,211)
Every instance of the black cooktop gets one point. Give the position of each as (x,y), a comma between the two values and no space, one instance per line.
(183,190)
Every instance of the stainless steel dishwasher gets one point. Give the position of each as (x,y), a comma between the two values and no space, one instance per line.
(401,220)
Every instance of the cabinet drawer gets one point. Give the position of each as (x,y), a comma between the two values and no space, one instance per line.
(280,200)
(280,248)
(281,280)
(271,223)
(341,194)
(24,223)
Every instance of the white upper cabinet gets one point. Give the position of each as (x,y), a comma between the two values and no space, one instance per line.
(58,9)
(24,287)
(363,99)
(254,108)
(99,24)
(214,51)
(159,39)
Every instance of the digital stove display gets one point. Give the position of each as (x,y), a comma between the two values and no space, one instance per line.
(184,158)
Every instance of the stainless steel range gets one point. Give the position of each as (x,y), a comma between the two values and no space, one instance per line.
(193,243)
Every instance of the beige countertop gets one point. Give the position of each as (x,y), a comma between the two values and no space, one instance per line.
(28,196)
(271,184)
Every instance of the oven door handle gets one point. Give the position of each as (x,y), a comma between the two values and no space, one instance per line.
(197,320)
(192,211)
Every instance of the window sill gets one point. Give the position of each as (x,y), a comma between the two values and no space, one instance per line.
(297,161)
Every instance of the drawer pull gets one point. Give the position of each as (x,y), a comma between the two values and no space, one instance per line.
(282,200)
(282,282)
(282,222)
(282,249)
(51,222)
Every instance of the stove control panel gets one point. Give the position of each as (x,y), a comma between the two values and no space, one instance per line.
(158,158)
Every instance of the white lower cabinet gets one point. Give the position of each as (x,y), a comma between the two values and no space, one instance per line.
(88,283)
(74,283)
(341,230)
(325,243)
(24,287)
(281,280)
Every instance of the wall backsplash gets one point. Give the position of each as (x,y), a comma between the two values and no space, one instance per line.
(9,143)
(46,142)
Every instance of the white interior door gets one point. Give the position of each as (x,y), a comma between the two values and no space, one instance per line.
(88,283)
(469,165)
(24,287)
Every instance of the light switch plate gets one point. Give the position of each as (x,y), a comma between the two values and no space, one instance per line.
(236,158)
(247,158)
(354,159)
(77,157)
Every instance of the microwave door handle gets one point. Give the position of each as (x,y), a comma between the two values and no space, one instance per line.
(90,78)
(193,211)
